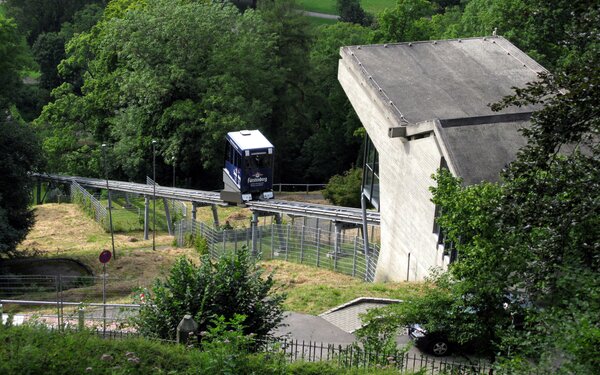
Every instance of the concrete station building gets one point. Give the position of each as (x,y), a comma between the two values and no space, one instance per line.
(425,105)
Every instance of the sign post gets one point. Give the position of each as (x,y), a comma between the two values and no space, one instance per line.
(104,258)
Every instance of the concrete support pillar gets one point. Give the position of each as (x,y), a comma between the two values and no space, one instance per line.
(278,219)
(254,225)
(337,241)
(215,213)
(38,196)
(168,217)
(146,216)
(363,204)
(282,243)
(194,209)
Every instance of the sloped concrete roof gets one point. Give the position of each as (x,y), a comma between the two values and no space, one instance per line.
(347,316)
(479,150)
(446,79)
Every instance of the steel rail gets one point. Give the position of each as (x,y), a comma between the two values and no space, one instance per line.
(320,211)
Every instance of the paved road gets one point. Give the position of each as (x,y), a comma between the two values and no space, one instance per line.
(310,328)
(304,327)
(321,15)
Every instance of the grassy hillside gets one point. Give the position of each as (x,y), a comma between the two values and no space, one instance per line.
(329,6)
(64,230)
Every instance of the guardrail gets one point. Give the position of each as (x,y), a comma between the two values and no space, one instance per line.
(303,187)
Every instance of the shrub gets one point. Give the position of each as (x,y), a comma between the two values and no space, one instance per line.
(38,350)
(345,190)
(201,245)
(231,285)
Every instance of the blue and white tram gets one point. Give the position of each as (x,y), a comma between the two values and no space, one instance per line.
(248,172)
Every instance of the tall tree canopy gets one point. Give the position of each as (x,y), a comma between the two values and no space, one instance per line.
(20,154)
(181,72)
(332,146)
(288,124)
(13,56)
(35,17)
(19,150)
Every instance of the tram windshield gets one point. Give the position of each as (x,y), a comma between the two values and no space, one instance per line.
(258,161)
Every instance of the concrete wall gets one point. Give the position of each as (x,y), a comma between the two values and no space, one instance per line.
(408,244)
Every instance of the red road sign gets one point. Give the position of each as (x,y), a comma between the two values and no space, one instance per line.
(105,256)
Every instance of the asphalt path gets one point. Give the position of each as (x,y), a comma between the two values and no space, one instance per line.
(309,328)
(321,15)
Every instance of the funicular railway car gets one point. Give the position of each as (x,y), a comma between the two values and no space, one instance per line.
(248,171)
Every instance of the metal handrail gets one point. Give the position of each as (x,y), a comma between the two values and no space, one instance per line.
(54,303)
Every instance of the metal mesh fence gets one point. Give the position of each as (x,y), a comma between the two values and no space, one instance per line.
(90,204)
(127,208)
(60,300)
(341,252)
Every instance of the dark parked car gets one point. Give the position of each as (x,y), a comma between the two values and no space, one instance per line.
(438,344)
(435,343)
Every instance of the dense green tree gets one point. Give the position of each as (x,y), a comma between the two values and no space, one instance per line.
(48,51)
(351,11)
(13,57)
(20,154)
(183,73)
(232,285)
(244,4)
(407,21)
(333,146)
(287,122)
(49,47)
(35,17)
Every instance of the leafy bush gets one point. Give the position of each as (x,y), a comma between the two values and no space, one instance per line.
(231,285)
(201,245)
(229,347)
(37,350)
(345,190)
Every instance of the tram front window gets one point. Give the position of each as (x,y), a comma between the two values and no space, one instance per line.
(258,161)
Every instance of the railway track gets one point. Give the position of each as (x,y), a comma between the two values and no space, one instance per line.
(320,211)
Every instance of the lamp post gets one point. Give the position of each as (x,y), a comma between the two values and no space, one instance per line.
(174,161)
(112,235)
(153,195)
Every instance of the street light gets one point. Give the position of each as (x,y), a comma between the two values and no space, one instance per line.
(112,235)
(174,161)
(153,195)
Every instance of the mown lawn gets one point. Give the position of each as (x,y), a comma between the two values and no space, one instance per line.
(329,6)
